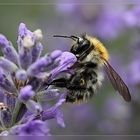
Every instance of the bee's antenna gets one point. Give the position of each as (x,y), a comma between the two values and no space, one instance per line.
(71,37)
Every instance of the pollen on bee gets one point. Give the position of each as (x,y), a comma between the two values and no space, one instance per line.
(99,47)
(79,101)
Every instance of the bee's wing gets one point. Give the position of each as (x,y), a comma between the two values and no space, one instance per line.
(117,82)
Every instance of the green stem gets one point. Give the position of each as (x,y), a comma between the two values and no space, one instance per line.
(16,112)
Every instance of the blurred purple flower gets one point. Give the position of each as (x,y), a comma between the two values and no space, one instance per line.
(104,21)
(81,111)
(24,84)
(66,6)
(131,17)
(26,93)
(31,128)
(115,110)
(133,73)
(109,24)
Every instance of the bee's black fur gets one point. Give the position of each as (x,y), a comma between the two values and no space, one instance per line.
(91,56)
(80,85)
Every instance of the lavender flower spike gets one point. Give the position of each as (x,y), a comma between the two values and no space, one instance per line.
(36,51)
(8,65)
(5,83)
(21,75)
(54,112)
(5,116)
(25,45)
(34,107)
(8,50)
(26,93)
(23,31)
(66,60)
(24,78)
(42,64)
(38,47)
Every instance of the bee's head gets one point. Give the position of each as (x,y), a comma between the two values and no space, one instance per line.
(81,45)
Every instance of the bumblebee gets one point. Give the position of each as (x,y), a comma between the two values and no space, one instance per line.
(92,56)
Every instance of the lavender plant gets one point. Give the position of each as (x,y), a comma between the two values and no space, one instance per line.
(24,79)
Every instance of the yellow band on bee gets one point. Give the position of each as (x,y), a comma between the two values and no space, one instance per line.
(99,47)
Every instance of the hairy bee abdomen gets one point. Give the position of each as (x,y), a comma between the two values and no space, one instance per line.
(76,96)
(85,92)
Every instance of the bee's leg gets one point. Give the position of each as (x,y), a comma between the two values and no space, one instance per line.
(71,97)
(77,65)
(90,65)
(76,87)
(66,83)
(76,96)
(84,64)
(61,82)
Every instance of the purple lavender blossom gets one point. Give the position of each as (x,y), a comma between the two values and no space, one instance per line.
(115,110)
(133,72)
(26,93)
(31,128)
(24,84)
(109,24)
(104,21)
(54,112)
(131,17)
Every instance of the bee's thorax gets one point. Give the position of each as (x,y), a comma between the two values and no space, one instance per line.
(99,48)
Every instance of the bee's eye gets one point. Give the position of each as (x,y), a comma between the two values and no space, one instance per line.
(85,45)
(80,47)
(80,40)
